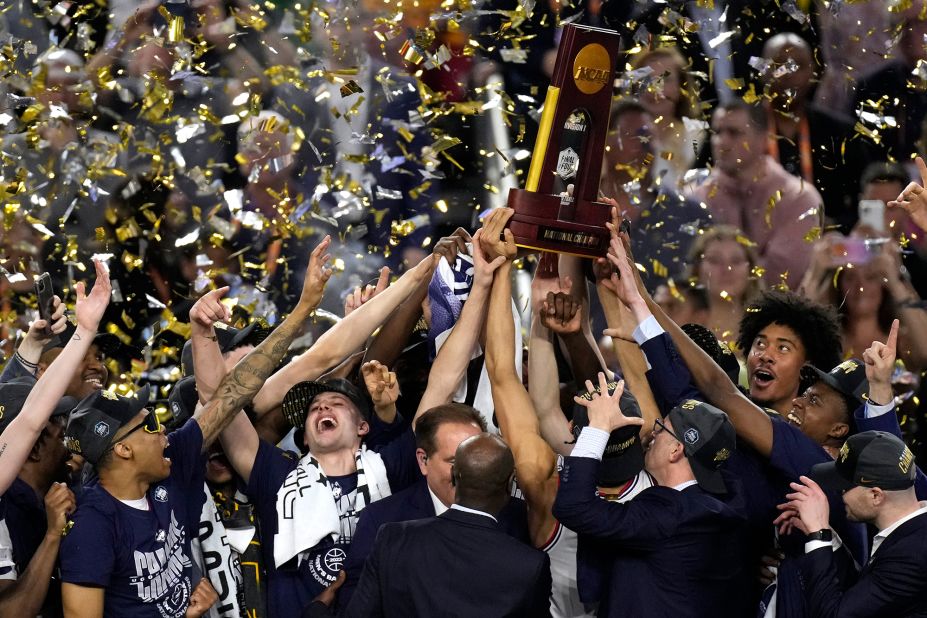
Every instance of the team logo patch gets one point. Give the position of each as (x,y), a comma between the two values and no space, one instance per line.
(160,494)
(691,436)
(101,429)
(334,558)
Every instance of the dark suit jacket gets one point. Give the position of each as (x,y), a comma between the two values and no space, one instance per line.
(676,550)
(892,584)
(412,503)
(458,564)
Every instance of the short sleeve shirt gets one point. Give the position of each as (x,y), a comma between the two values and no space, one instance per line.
(142,558)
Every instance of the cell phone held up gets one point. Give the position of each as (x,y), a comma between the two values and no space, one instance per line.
(45,295)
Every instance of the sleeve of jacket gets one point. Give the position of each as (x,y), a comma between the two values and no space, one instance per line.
(883,591)
(539,596)
(367,599)
(668,376)
(642,523)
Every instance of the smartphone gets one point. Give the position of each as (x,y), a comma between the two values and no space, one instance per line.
(872,213)
(45,294)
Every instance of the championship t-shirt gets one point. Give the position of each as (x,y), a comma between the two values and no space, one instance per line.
(294,585)
(142,558)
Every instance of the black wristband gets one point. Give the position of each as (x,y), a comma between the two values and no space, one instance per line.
(824,534)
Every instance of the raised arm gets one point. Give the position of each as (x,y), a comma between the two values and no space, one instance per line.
(543,379)
(239,387)
(20,435)
(450,366)
(535,461)
(585,358)
(341,340)
(914,197)
(208,364)
(36,338)
(750,421)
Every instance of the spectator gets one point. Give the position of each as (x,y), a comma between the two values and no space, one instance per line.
(723,263)
(809,142)
(752,192)
(665,223)
(672,101)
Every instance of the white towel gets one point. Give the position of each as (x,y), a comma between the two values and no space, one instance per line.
(306,508)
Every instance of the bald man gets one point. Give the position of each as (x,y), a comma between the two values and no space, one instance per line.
(812,143)
(460,563)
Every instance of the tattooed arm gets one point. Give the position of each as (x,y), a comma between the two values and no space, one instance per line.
(240,386)
(20,435)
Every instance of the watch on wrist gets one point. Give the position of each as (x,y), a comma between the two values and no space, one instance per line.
(825,534)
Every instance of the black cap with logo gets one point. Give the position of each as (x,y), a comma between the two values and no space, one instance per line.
(849,379)
(228,339)
(298,399)
(624,455)
(869,459)
(13,396)
(708,439)
(97,419)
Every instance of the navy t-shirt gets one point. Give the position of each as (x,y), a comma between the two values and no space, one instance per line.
(142,558)
(291,587)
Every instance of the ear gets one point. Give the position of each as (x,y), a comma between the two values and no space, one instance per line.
(35,454)
(363,428)
(677,453)
(422,457)
(123,450)
(838,431)
(877,496)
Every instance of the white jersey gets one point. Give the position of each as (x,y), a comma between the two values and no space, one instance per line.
(564,597)
(7,565)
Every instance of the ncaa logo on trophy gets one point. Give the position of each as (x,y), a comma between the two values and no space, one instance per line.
(569,150)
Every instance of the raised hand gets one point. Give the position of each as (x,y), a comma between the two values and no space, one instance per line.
(317,275)
(381,383)
(562,313)
(806,510)
(496,239)
(59,503)
(449,246)
(914,198)
(623,283)
(547,281)
(360,296)
(604,409)
(39,331)
(208,310)
(880,363)
(202,598)
(90,307)
(483,270)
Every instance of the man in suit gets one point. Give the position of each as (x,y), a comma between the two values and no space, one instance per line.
(438,433)
(459,563)
(676,545)
(876,472)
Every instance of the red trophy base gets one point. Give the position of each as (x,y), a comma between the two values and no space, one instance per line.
(538,224)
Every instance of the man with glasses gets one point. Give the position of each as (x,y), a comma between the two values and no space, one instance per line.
(675,545)
(128,550)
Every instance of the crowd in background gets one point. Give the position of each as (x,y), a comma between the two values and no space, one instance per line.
(302,279)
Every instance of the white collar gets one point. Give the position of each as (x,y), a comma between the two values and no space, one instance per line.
(883,534)
(457,507)
(682,486)
(440,509)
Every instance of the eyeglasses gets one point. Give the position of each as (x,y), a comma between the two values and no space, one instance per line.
(658,426)
(150,424)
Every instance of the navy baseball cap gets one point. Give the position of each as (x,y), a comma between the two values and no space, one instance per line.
(849,379)
(182,400)
(13,396)
(868,459)
(297,400)
(97,418)
(624,455)
(708,439)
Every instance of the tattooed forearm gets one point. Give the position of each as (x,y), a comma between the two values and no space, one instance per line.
(240,386)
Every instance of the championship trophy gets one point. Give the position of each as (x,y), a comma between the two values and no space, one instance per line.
(569,150)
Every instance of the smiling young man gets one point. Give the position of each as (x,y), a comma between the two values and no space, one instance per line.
(128,552)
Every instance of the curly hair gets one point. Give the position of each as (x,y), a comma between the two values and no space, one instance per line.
(817,326)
